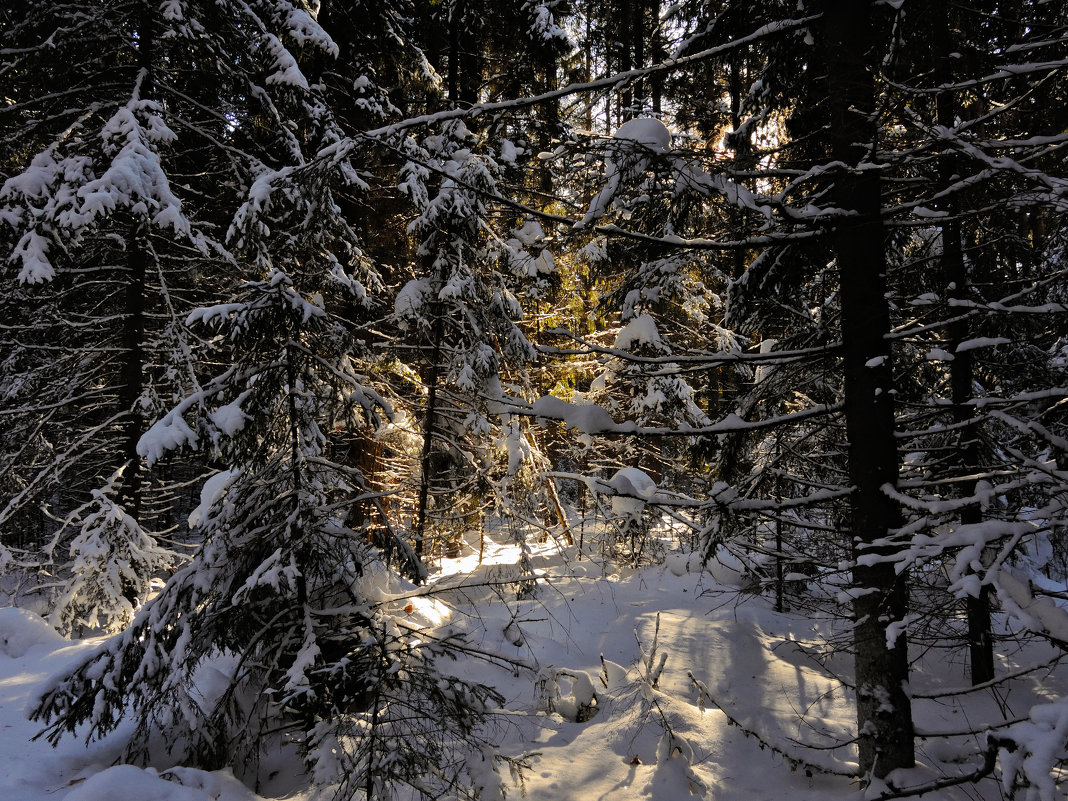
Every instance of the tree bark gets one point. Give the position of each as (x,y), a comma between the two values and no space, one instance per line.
(884,714)
(132,370)
(133,327)
(961,369)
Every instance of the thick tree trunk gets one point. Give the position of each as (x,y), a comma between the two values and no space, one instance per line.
(884,714)
(133,331)
(454,54)
(657,54)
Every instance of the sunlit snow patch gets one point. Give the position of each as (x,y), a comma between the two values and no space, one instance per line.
(129,783)
(587,418)
(641,330)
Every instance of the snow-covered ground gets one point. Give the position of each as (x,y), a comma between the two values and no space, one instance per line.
(657,684)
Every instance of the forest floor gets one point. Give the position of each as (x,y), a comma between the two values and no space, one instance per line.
(747,705)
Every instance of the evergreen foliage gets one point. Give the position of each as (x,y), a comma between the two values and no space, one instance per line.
(783,284)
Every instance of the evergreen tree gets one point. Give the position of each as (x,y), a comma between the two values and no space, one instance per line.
(126,166)
(284,603)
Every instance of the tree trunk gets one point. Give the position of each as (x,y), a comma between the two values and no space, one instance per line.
(637,39)
(884,714)
(133,379)
(656,55)
(426,461)
(961,369)
(133,329)
(628,94)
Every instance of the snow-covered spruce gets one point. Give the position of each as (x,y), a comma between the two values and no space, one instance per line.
(462,314)
(112,562)
(280,632)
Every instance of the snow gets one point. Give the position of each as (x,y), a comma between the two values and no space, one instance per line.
(230,419)
(286,70)
(658,684)
(529,233)
(32,251)
(129,783)
(641,330)
(21,630)
(939,355)
(210,493)
(633,487)
(57,197)
(1039,743)
(646,131)
(135,178)
(627,156)
(166,434)
(588,418)
(411,298)
(634,482)
(1038,614)
(304,30)
(982,342)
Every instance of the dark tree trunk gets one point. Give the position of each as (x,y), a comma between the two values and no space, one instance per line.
(132,370)
(454,54)
(627,97)
(139,253)
(637,40)
(961,369)
(656,55)
(884,714)
(426,462)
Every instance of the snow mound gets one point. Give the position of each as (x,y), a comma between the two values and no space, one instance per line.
(529,233)
(129,783)
(21,630)
(646,131)
(726,568)
(634,482)
(412,298)
(627,156)
(633,488)
(640,331)
(680,563)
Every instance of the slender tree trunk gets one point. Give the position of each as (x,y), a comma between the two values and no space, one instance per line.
(961,369)
(454,53)
(587,60)
(656,55)
(961,376)
(884,714)
(629,93)
(437,330)
(637,38)
(549,123)
(741,156)
(426,460)
(133,378)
